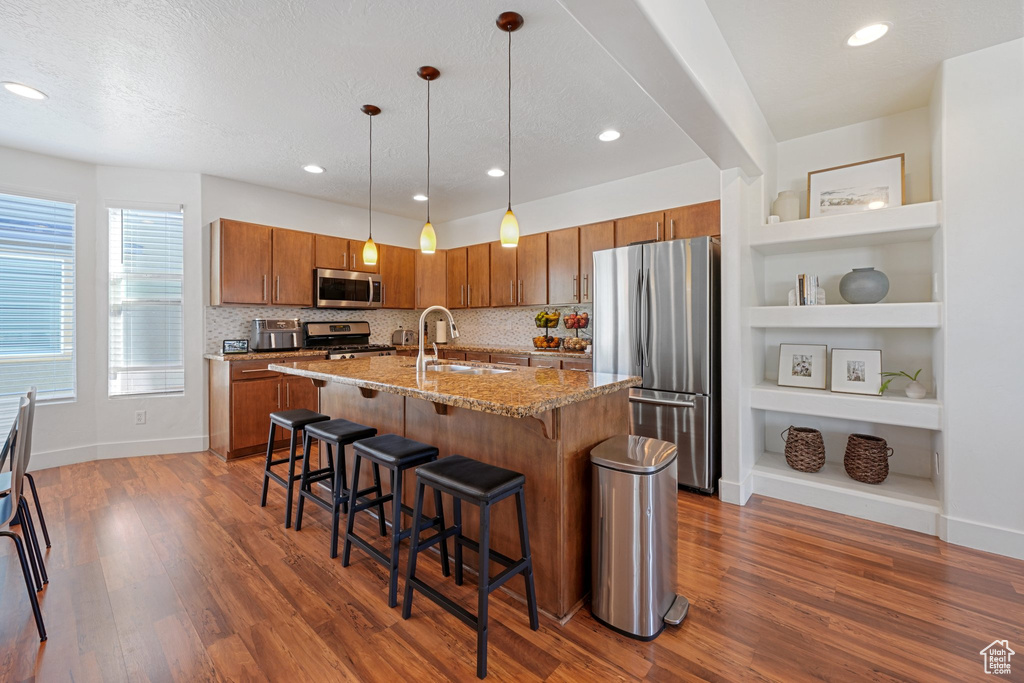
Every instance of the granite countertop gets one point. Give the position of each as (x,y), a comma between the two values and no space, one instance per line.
(521,392)
(267,355)
(510,350)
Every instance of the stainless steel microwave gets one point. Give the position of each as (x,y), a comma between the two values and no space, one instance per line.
(345,289)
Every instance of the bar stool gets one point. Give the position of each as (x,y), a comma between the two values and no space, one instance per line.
(335,434)
(397,454)
(482,485)
(293,421)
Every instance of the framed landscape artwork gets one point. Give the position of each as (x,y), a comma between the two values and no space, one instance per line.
(863,186)
(856,371)
(802,365)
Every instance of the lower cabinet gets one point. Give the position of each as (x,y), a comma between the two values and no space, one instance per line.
(536,362)
(252,401)
(478,357)
(508,359)
(581,364)
(453,355)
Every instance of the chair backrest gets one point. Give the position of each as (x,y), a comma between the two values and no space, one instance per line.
(31,396)
(18,458)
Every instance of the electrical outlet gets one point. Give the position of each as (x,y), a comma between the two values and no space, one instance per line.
(140,417)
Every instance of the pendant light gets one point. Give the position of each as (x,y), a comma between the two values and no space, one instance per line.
(428,238)
(509,22)
(369,248)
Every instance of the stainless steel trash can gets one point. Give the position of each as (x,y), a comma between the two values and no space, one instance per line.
(634,536)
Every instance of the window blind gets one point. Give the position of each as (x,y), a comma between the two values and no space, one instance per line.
(146,342)
(37,298)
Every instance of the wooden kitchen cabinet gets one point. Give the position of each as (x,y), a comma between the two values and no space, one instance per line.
(330,252)
(532,268)
(252,402)
(564,266)
(509,359)
(431,272)
(553,363)
(642,228)
(457,278)
(397,276)
(581,364)
(695,220)
(292,268)
(478,356)
(452,355)
(504,290)
(478,275)
(593,237)
(240,262)
(355,258)
(299,392)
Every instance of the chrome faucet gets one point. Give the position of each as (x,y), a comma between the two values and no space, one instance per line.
(453,332)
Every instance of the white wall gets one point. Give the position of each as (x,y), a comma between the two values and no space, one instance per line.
(982,178)
(697,181)
(908,133)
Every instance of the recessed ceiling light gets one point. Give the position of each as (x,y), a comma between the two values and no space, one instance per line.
(609,135)
(868,34)
(420,197)
(24,91)
(313,168)
(495,173)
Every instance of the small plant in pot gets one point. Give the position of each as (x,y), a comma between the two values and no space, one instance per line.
(914,390)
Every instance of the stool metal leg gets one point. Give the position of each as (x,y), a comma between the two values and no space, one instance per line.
(339,493)
(457,514)
(340,470)
(439,513)
(33,600)
(266,468)
(483,590)
(39,508)
(307,441)
(350,522)
(380,492)
(291,477)
(396,535)
(414,545)
(524,544)
(31,539)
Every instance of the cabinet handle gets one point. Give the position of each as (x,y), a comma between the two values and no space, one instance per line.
(469,295)
(520,291)
(657,230)
(579,370)
(462,294)
(279,395)
(672,228)
(287,395)
(264,288)
(278,286)
(586,288)
(511,292)
(504,362)
(344,261)
(574,277)
(256,370)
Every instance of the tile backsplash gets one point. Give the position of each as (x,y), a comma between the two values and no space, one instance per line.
(483,326)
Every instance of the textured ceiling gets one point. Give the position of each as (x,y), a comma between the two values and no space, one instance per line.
(254,90)
(793,53)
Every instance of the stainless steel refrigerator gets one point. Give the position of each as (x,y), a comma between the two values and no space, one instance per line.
(656,315)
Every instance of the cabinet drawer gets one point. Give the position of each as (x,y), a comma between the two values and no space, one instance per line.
(453,355)
(545,363)
(502,359)
(257,369)
(581,365)
(478,357)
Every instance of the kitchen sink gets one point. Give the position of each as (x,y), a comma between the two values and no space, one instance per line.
(466,369)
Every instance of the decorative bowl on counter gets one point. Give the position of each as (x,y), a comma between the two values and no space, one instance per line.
(575,344)
(546,343)
(576,321)
(547,319)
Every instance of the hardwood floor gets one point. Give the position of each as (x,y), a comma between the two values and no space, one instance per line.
(166,568)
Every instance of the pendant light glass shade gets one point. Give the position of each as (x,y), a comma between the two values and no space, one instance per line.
(428,239)
(509,229)
(369,253)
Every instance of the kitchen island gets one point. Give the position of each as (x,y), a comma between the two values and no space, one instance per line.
(538,421)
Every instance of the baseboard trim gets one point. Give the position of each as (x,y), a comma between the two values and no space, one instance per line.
(121,449)
(737,493)
(986,537)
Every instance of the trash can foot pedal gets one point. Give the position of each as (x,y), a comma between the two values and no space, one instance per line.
(677,612)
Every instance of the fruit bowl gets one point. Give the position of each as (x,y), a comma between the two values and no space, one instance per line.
(575,344)
(547,320)
(546,343)
(576,321)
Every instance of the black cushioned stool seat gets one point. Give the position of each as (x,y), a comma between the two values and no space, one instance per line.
(293,421)
(334,435)
(397,454)
(482,485)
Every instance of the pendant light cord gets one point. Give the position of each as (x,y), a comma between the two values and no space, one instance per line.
(428,151)
(369,209)
(510,120)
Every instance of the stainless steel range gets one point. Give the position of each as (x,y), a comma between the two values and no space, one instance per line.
(345,339)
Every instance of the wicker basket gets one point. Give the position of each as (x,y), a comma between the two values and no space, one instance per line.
(867,458)
(805,449)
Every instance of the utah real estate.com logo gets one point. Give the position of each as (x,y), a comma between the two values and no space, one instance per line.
(997,657)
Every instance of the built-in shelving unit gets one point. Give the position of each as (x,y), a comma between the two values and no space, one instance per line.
(906,241)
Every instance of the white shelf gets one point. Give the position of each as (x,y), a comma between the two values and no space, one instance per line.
(923,413)
(909,223)
(900,500)
(908,315)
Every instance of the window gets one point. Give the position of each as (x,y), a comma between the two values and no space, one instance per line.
(146,337)
(37,298)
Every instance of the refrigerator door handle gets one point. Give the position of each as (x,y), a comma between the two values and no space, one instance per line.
(645,332)
(661,402)
(637,349)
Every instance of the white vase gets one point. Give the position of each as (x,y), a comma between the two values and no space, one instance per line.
(915,390)
(787,205)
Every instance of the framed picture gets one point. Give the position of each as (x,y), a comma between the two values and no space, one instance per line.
(864,186)
(235,346)
(856,371)
(802,365)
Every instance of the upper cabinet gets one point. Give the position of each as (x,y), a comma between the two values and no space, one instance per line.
(292,268)
(478,275)
(355,258)
(593,237)
(532,267)
(695,220)
(330,252)
(239,263)
(431,270)
(504,280)
(457,278)
(564,266)
(398,282)
(642,228)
